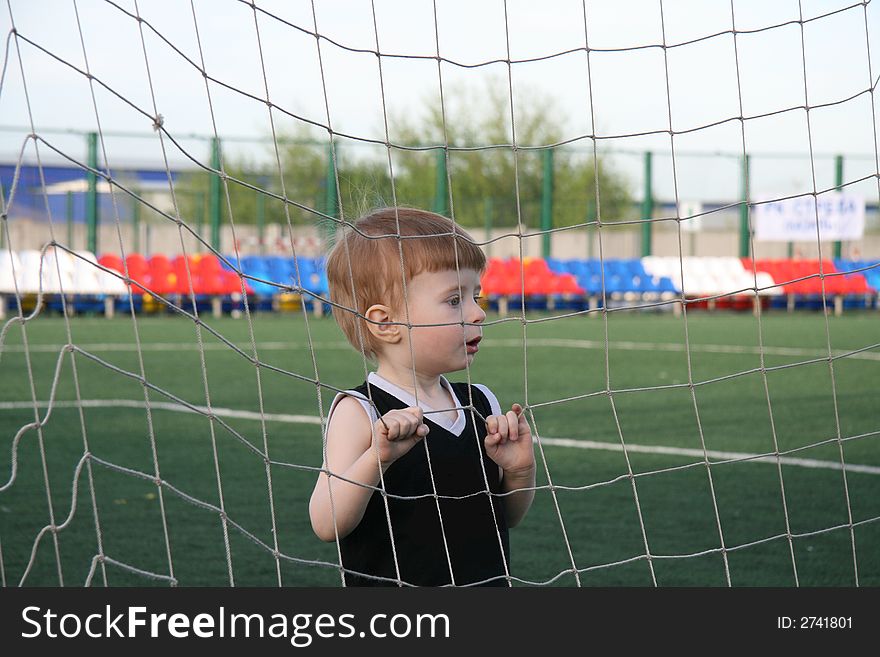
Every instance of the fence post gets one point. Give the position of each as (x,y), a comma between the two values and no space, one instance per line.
(261,220)
(744,209)
(200,218)
(136,223)
(70,219)
(592,212)
(214,194)
(92,194)
(331,193)
(3,221)
(441,185)
(647,205)
(488,211)
(838,182)
(547,203)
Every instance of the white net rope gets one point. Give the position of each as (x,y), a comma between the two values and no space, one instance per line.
(156,397)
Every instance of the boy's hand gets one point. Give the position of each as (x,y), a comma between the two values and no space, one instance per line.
(396,432)
(509,441)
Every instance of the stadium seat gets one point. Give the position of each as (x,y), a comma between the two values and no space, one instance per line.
(162,279)
(860,276)
(89,279)
(113,283)
(496,280)
(256,267)
(280,269)
(29,279)
(537,277)
(207,263)
(566,284)
(510,278)
(138,271)
(111,261)
(310,277)
(802,277)
(871,272)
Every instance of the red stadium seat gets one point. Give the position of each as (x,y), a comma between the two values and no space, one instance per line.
(138,270)
(857,284)
(208,275)
(533,276)
(161,278)
(184,270)
(567,284)
(207,263)
(538,279)
(231,283)
(501,277)
(111,261)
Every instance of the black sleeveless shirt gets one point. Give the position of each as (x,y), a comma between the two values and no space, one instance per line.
(473,522)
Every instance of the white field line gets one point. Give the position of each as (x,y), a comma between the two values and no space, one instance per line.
(565,343)
(166,406)
(555,442)
(714,455)
(680,347)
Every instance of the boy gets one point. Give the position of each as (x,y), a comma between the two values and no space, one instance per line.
(422,490)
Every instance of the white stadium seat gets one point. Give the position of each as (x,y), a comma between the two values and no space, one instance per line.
(28,276)
(10,269)
(89,278)
(79,274)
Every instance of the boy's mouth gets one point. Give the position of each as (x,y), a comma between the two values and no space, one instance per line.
(472,345)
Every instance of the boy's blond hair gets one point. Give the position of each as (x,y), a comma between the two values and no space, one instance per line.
(430,243)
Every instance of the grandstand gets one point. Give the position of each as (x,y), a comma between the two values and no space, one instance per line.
(276,283)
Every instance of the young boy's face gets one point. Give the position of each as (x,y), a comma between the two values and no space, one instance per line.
(434,298)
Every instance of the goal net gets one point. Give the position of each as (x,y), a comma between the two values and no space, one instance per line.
(702,394)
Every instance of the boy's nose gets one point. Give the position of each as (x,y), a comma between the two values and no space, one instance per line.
(479,314)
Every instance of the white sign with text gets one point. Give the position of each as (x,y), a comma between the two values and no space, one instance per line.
(840,217)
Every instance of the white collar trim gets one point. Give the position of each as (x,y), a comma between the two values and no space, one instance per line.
(454,428)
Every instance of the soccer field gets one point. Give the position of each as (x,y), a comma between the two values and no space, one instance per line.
(607,510)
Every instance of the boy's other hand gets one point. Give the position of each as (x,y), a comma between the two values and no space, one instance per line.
(509,440)
(396,432)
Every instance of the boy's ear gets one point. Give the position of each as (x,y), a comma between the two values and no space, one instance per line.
(379,316)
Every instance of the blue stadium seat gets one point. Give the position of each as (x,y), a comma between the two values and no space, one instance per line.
(256,266)
(557,265)
(665,284)
(279,266)
(644,284)
(872,276)
(250,262)
(637,268)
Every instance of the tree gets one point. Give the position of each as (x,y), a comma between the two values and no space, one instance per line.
(488,175)
(490,180)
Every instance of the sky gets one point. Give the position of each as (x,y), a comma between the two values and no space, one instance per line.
(627,86)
